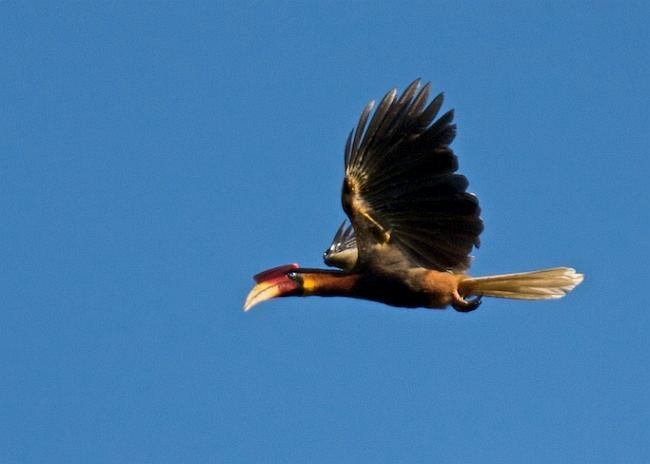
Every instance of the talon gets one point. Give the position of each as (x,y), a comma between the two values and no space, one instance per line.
(464,306)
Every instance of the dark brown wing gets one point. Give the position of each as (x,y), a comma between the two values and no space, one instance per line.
(401,188)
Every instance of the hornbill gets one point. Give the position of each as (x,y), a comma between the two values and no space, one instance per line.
(413,224)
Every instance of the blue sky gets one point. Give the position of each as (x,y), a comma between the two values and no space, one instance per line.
(153,156)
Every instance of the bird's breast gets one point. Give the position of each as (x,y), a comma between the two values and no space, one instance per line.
(409,289)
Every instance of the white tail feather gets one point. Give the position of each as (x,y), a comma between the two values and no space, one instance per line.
(536,285)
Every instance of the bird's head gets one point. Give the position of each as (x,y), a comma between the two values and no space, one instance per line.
(292,280)
(274,283)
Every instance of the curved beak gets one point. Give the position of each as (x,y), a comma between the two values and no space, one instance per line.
(262,292)
(273,283)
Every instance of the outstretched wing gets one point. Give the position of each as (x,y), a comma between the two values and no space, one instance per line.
(401,190)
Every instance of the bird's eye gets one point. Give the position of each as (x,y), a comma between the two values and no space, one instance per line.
(291,275)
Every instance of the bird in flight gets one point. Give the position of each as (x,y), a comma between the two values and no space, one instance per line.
(412,222)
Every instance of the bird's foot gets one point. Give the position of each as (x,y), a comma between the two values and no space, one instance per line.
(464,306)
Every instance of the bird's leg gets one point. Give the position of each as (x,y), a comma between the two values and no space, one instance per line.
(464,306)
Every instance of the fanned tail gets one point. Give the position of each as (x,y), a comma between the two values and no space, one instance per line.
(535,285)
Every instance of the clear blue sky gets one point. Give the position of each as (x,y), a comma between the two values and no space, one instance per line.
(153,156)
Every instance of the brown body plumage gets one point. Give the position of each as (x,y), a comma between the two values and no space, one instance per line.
(413,224)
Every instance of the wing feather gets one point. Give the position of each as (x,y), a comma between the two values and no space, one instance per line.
(401,187)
